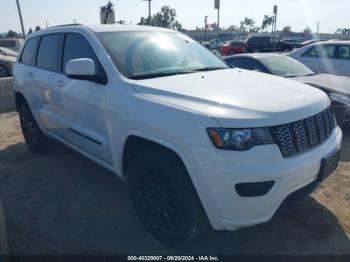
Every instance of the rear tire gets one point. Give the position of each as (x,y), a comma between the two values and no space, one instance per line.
(34,137)
(164,197)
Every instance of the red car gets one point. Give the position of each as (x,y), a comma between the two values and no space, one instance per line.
(232,48)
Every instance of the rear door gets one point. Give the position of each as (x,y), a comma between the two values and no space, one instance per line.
(343,60)
(47,70)
(24,72)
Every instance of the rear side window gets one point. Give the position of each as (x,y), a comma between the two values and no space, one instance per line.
(76,46)
(29,51)
(49,52)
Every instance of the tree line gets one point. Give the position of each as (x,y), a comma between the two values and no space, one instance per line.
(14,34)
(167,18)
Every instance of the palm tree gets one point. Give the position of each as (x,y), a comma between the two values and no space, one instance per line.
(267,22)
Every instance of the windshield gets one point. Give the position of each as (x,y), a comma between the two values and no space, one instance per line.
(285,66)
(141,55)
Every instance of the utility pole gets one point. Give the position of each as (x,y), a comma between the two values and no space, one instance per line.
(275,11)
(149,9)
(21,19)
(205,27)
(318,28)
(217,7)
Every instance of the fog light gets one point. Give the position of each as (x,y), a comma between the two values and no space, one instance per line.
(254,189)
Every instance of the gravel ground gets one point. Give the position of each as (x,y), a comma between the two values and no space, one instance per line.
(62,203)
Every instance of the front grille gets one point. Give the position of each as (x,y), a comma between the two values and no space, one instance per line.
(301,136)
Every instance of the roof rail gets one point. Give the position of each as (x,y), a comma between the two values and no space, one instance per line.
(76,24)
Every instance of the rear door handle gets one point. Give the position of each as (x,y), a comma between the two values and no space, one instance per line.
(30,74)
(59,83)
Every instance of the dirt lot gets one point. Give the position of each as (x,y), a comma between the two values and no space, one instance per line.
(63,203)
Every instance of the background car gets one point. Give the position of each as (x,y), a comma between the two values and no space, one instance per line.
(7,60)
(232,47)
(259,44)
(337,87)
(212,44)
(14,44)
(308,42)
(332,57)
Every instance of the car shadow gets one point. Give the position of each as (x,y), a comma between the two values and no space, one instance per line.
(345,154)
(62,203)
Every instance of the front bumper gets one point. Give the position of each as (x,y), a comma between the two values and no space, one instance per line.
(217,172)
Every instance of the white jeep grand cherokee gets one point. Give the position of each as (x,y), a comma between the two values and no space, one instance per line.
(196,141)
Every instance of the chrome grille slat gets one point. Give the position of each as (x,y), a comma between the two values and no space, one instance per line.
(303,135)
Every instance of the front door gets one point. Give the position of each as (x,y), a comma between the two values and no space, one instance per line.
(82,102)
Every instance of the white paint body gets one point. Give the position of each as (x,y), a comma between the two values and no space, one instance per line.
(175,111)
(334,65)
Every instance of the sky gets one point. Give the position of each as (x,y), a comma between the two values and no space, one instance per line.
(297,13)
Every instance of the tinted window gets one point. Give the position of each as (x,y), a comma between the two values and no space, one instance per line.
(267,40)
(76,46)
(29,51)
(49,52)
(8,43)
(253,40)
(246,63)
(344,52)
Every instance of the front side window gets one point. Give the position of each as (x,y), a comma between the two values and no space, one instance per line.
(76,46)
(29,51)
(285,66)
(49,52)
(140,55)
(321,51)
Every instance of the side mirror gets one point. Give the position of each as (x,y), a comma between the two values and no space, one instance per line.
(83,69)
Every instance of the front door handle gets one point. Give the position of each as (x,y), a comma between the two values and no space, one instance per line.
(59,83)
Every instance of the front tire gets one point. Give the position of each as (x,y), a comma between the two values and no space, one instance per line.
(33,136)
(164,197)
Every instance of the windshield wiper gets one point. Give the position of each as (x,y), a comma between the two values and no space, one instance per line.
(313,74)
(160,74)
(291,76)
(210,68)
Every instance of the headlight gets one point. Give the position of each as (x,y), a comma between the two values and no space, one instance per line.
(340,98)
(239,139)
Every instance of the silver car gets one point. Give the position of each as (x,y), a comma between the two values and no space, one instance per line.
(7,60)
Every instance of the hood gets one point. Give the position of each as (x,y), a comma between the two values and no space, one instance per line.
(332,83)
(8,52)
(237,98)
